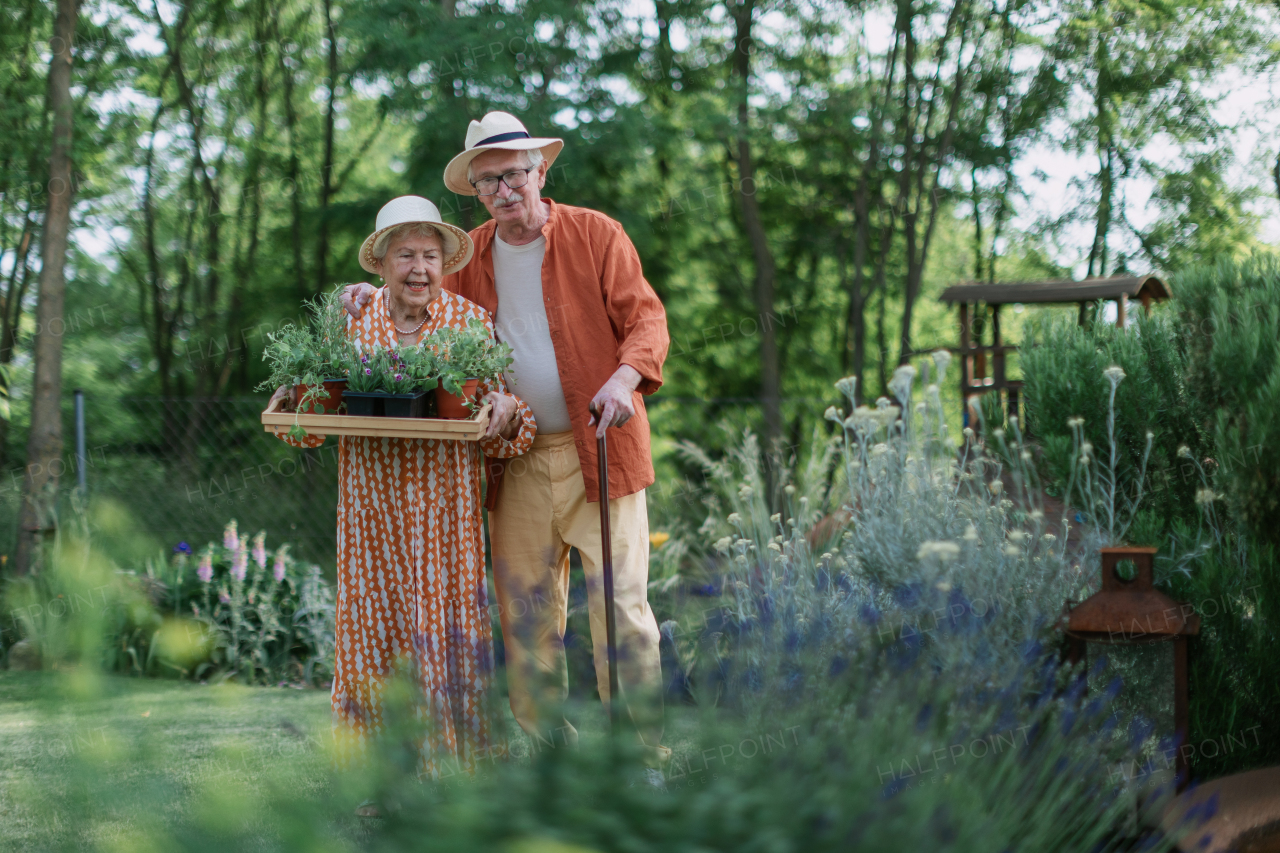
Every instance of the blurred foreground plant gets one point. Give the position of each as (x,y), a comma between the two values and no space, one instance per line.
(876,671)
(233,611)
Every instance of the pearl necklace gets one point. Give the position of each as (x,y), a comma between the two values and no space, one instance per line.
(387,299)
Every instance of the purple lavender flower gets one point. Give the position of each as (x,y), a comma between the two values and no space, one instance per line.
(260,550)
(240,559)
(205,571)
(182,548)
(277,570)
(230,539)
(224,598)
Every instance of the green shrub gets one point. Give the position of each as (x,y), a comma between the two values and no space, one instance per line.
(1230,328)
(1065,368)
(76,609)
(1234,671)
(1206,383)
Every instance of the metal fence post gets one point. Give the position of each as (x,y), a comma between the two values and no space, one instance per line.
(81,478)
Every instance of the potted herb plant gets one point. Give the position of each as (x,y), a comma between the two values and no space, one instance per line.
(464,358)
(312,357)
(390,382)
(396,381)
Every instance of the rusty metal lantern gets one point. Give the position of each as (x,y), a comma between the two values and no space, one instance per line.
(1131,611)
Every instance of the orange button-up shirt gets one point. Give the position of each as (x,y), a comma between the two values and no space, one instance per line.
(601,313)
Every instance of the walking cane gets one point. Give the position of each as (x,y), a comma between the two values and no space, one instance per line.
(606,567)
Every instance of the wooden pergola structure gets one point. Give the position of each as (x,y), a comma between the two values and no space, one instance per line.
(975,299)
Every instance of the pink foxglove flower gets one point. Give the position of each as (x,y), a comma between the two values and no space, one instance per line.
(260,550)
(240,559)
(230,539)
(205,571)
(277,570)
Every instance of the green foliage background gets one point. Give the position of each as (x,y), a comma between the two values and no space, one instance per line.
(1201,375)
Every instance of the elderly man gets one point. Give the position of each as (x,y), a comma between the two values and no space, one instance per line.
(588,333)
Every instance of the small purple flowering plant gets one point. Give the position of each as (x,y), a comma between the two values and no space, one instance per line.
(446,358)
(393,370)
(264,614)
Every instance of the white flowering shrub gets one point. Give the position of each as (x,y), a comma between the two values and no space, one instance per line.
(891,509)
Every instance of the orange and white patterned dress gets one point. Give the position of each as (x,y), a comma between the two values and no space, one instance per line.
(411,576)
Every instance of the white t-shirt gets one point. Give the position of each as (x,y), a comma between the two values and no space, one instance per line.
(522,323)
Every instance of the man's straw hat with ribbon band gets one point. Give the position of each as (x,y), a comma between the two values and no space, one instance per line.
(497,130)
(412,208)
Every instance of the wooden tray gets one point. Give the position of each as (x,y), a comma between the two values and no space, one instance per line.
(472,429)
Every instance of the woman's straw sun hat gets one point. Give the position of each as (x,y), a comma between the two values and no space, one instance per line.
(501,131)
(412,208)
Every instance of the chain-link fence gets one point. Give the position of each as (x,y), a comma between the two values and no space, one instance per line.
(183,467)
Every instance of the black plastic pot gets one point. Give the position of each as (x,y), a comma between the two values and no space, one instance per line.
(364,403)
(405,405)
(381,405)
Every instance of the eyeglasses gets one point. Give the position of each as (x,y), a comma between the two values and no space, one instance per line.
(514,180)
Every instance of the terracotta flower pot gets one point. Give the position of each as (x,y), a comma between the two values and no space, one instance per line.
(453,406)
(334,388)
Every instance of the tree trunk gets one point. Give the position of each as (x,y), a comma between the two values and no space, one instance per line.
(856,321)
(1105,142)
(978,244)
(1098,251)
(882,341)
(925,197)
(292,170)
(749,205)
(9,322)
(152,286)
(44,447)
(326,168)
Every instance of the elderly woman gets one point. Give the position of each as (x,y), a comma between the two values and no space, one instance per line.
(411,570)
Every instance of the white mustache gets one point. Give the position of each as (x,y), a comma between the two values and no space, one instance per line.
(514,198)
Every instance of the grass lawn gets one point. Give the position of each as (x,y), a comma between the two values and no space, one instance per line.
(162,742)
(95,761)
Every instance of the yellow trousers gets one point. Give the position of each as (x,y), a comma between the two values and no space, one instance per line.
(542,512)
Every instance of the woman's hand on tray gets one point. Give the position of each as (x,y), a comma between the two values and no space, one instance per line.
(504,418)
(283,400)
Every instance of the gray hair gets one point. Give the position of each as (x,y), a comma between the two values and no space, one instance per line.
(534,156)
(401,231)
